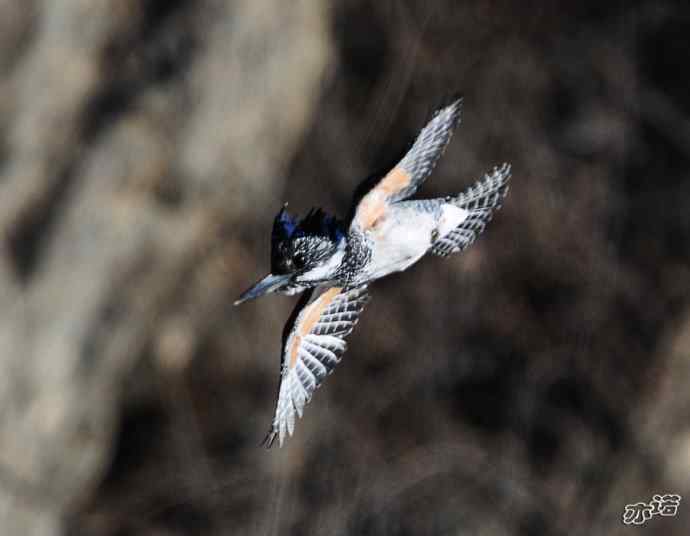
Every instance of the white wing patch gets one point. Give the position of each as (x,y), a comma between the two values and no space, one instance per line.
(311,351)
(480,201)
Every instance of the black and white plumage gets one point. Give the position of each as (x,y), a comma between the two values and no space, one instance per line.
(426,150)
(335,261)
(480,201)
(313,342)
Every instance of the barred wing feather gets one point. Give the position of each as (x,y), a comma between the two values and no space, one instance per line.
(312,348)
(403,180)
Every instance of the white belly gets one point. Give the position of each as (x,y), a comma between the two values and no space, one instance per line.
(399,241)
(405,235)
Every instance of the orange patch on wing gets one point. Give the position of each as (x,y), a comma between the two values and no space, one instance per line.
(373,206)
(310,319)
(395,181)
(371,209)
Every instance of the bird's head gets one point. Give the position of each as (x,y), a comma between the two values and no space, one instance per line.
(302,252)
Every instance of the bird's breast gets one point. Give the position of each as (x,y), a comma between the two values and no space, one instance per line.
(398,240)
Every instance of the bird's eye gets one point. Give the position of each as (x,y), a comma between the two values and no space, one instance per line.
(299,261)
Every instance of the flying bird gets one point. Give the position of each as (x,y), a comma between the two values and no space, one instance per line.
(332,262)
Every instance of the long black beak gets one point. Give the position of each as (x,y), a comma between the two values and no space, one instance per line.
(270,283)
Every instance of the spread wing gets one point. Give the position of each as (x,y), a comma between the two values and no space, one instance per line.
(313,345)
(404,179)
(480,201)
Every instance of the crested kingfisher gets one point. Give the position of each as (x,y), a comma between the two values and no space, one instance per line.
(334,261)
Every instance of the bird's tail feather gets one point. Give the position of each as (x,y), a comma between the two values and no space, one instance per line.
(480,201)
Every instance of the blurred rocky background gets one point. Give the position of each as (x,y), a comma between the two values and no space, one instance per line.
(534,385)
